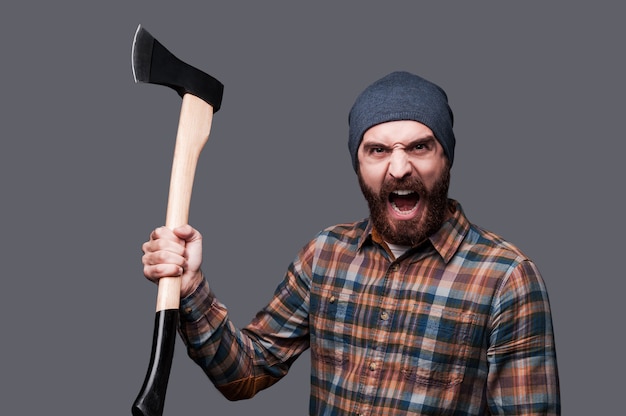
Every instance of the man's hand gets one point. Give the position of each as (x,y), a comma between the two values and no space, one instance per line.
(172,253)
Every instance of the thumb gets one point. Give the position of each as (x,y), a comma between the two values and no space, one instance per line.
(187,233)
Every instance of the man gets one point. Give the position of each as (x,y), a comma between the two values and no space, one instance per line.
(412,311)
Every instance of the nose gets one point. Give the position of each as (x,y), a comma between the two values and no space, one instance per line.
(399,164)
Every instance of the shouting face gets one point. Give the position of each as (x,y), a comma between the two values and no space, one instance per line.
(404,175)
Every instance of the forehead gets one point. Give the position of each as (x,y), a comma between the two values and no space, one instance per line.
(400,131)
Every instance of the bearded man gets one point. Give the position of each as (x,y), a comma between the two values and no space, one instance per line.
(413,310)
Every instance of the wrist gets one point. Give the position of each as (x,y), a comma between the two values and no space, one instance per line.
(193,285)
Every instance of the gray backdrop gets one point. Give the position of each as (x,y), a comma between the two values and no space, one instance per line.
(537,89)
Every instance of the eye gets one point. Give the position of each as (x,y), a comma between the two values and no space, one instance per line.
(376,150)
(419,147)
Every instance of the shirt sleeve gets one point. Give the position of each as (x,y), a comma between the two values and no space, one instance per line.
(523,376)
(242,362)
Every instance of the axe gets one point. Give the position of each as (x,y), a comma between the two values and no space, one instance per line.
(201,98)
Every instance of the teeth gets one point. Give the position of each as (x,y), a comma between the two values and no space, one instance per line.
(402,192)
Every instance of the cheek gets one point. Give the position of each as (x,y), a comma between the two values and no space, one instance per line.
(373,178)
(430,174)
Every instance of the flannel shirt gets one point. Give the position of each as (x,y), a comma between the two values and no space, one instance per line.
(458,325)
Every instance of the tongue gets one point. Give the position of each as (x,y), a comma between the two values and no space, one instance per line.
(404,202)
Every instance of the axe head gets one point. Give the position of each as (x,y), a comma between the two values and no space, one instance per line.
(154,64)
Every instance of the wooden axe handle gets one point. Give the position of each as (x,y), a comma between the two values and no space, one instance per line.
(193,132)
(194,126)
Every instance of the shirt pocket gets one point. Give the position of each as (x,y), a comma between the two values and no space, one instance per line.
(437,345)
(332,316)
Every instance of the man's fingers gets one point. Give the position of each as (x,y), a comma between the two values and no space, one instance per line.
(157,271)
(164,233)
(163,239)
(168,252)
(164,255)
(151,258)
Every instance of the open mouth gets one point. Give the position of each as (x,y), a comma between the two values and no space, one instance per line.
(403,201)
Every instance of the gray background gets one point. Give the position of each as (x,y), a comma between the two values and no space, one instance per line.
(537,89)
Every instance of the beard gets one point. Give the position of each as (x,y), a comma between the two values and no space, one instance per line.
(415,230)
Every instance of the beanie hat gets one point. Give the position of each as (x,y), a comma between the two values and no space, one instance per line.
(402,96)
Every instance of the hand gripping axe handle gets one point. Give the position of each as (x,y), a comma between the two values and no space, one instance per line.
(201,98)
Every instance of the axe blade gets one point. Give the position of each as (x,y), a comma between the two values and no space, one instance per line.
(152,63)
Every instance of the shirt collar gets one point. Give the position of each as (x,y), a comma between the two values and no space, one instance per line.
(445,241)
(452,233)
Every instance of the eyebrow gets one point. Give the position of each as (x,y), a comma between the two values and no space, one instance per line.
(423,140)
(375,143)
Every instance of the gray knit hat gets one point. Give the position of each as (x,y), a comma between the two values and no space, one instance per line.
(402,96)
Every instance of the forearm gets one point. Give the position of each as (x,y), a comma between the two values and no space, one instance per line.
(523,375)
(524,383)
(235,360)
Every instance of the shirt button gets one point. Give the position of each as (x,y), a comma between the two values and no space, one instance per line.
(384,316)
(332,299)
(395,267)
(373,366)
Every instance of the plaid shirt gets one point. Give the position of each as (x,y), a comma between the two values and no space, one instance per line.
(459,325)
